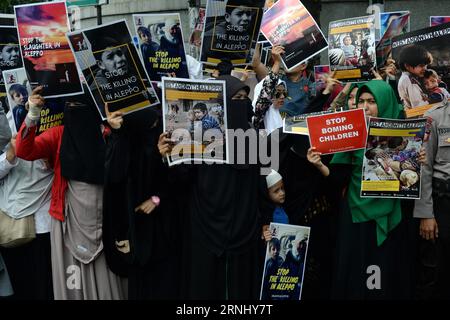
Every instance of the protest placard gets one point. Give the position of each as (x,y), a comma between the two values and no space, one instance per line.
(231,30)
(161,45)
(194,116)
(284,264)
(289,24)
(338,132)
(111,66)
(46,53)
(351,49)
(390,165)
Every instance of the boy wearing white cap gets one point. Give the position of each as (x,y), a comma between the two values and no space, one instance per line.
(276,195)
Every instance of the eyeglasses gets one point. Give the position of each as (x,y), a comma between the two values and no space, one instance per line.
(279,93)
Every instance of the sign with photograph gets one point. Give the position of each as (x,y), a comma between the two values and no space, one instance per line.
(46,53)
(390,165)
(194,116)
(424,67)
(284,264)
(289,24)
(161,45)
(351,49)
(231,30)
(111,66)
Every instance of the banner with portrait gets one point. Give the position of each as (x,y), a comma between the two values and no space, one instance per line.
(197,26)
(351,49)
(321,72)
(391,168)
(231,30)
(423,64)
(10,57)
(386,18)
(384,47)
(289,24)
(194,116)
(284,263)
(46,53)
(161,45)
(17,89)
(111,66)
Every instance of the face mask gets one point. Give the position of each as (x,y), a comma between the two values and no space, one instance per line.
(239,114)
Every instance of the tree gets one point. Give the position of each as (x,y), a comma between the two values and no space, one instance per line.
(7,6)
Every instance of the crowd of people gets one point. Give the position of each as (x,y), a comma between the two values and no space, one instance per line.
(111,220)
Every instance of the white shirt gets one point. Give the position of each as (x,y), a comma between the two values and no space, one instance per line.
(410,93)
(25,188)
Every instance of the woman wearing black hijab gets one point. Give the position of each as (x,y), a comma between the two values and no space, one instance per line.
(223,255)
(76,153)
(140,230)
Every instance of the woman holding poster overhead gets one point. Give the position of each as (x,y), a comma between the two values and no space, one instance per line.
(375,239)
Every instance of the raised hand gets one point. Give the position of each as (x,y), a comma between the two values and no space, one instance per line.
(114,119)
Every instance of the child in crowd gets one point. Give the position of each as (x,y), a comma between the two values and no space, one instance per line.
(435,87)
(19,95)
(276,195)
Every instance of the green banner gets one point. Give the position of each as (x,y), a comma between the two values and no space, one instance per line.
(83,3)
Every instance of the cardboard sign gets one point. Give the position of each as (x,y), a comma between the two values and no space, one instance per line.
(338,132)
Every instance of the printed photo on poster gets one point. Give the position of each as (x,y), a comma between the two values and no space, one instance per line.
(112,68)
(351,49)
(386,18)
(194,115)
(320,74)
(231,30)
(284,263)
(423,61)
(289,24)
(384,47)
(161,45)
(10,57)
(391,168)
(46,53)
(437,20)
(18,90)
(195,38)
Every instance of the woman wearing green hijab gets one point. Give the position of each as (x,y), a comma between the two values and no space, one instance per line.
(372,256)
(346,98)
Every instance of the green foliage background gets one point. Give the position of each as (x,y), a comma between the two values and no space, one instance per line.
(7,6)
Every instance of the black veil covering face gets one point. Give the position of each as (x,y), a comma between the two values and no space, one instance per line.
(134,172)
(82,151)
(142,121)
(239,116)
(224,218)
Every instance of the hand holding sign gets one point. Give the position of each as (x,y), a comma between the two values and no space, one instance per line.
(115,118)
(314,157)
(35,104)
(338,132)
